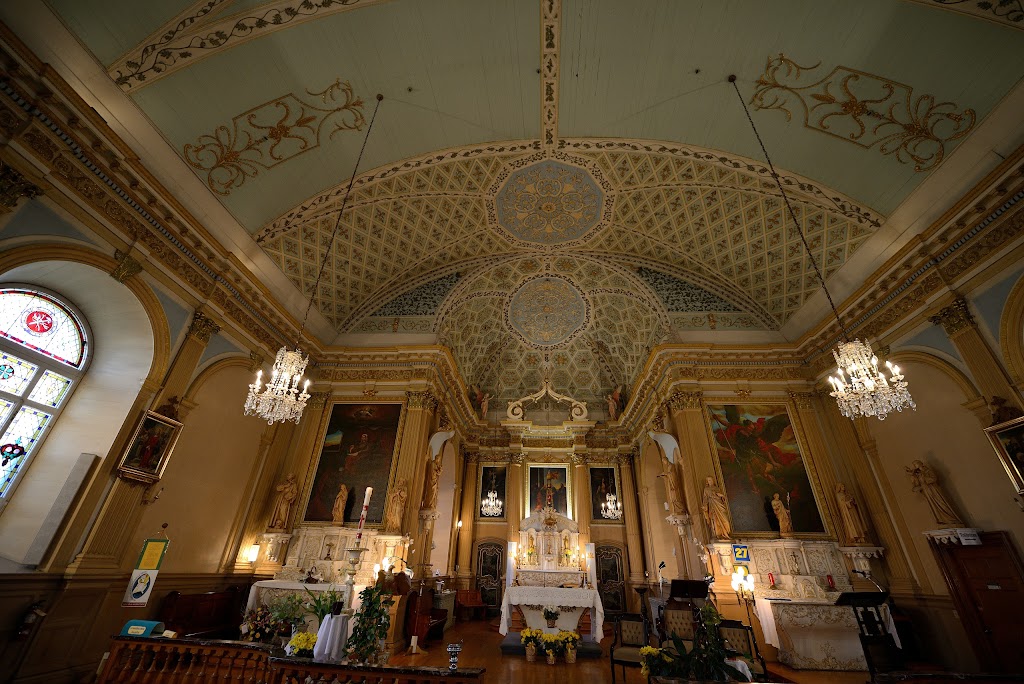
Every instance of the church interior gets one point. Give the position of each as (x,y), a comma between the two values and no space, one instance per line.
(568,337)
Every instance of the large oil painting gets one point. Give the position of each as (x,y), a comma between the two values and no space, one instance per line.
(358,449)
(760,457)
(548,485)
(1008,441)
(603,481)
(492,479)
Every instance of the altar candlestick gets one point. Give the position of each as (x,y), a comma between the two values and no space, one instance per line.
(362,516)
(831,582)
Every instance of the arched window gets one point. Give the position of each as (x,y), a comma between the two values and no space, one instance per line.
(43,355)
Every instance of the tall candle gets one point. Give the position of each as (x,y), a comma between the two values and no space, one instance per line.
(362,516)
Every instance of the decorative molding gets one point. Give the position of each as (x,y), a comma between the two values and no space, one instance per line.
(272,133)
(126,266)
(424,400)
(955,317)
(683,399)
(1003,12)
(802,400)
(318,400)
(550,39)
(192,36)
(202,327)
(13,187)
(914,130)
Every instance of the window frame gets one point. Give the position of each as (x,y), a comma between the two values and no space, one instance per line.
(43,363)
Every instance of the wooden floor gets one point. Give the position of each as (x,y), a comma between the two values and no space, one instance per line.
(480,648)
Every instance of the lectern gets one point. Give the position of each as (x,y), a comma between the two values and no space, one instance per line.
(880,650)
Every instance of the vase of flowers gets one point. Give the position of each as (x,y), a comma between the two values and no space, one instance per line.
(258,625)
(301,645)
(552,645)
(531,640)
(551,615)
(570,641)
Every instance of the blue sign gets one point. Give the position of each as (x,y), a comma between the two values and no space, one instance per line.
(740,553)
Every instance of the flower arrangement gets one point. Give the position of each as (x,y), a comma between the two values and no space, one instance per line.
(704,661)
(258,625)
(320,603)
(301,645)
(551,613)
(552,643)
(530,636)
(286,611)
(653,660)
(570,640)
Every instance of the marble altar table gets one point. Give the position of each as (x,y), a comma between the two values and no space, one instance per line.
(264,590)
(531,600)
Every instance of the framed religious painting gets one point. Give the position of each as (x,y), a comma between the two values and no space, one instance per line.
(358,450)
(548,485)
(763,469)
(492,480)
(150,448)
(1008,441)
(604,482)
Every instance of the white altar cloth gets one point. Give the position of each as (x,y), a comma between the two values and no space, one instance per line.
(265,589)
(554,596)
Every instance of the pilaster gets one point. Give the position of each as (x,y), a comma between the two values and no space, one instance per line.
(464,557)
(412,464)
(808,406)
(581,504)
(631,515)
(687,412)
(176,382)
(514,512)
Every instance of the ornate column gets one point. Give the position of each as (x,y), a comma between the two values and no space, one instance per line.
(807,405)
(961,328)
(581,496)
(412,458)
(464,559)
(114,527)
(860,454)
(514,513)
(631,515)
(686,408)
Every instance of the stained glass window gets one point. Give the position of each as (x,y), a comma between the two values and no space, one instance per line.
(41,323)
(42,357)
(18,440)
(15,373)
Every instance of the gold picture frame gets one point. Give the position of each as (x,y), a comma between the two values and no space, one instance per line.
(542,471)
(499,473)
(149,449)
(1008,441)
(595,484)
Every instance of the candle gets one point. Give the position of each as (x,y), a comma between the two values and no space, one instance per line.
(831,582)
(771,579)
(362,516)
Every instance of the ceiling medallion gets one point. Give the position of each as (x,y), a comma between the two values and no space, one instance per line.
(549,203)
(547,311)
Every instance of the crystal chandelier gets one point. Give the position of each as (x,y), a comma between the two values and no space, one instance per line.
(611,508)
(279,399)
(864,390)
(491,506)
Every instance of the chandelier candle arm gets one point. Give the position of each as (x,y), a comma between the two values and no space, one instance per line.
(280,399)
(863,390)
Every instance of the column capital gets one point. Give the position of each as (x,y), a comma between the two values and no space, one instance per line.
(14,186)
(517,459)
(126,266)
(579,459)
(318,400)
(202,327)
(803,400)
(955,317)
(421,399)
(685,399)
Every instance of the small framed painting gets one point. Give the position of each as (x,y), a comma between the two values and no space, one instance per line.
(150,448)
(604,481)
(1008,441)
(492,479)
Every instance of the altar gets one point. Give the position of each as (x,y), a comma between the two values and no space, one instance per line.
(571,604)
(548,553)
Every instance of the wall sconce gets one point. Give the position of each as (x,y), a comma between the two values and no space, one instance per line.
(253,554)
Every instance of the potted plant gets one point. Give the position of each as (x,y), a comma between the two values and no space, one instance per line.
(287,613)
(705,661)
(371,625)
(320,603)
(530,639)
(552,645)
(301,645)
(258,625)
(570,641)
(551,615)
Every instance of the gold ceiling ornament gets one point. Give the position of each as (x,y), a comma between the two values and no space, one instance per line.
(863,389)
(279,399)
(867,110)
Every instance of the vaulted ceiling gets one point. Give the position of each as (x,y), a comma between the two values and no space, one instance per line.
(560,184)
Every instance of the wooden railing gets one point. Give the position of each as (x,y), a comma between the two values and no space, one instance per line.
(139,660)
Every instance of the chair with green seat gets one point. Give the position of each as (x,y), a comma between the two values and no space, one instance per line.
(631,635)
(739,638)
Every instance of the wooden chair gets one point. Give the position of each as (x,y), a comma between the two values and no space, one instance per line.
(677,621)
(739,638)
(468,601)
(631,634)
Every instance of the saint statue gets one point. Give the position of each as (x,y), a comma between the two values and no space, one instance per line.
(782,513)
(673,488)
(286,493)
(338,512)
(396,507)
(716,510)
(613,408)
(925,481)
(485,402)
(849,512)
(433,480)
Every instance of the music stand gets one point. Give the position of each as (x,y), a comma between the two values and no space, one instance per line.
(880,649)
(687,590)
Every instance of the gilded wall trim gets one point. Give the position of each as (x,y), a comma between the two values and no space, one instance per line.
(1003,12)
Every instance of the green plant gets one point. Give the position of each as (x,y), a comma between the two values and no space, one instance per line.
(551,613)
(285,611)
(320,603)
(704,661)
(371,623)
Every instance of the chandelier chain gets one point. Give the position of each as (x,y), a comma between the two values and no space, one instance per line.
(792,214)
(337,223)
